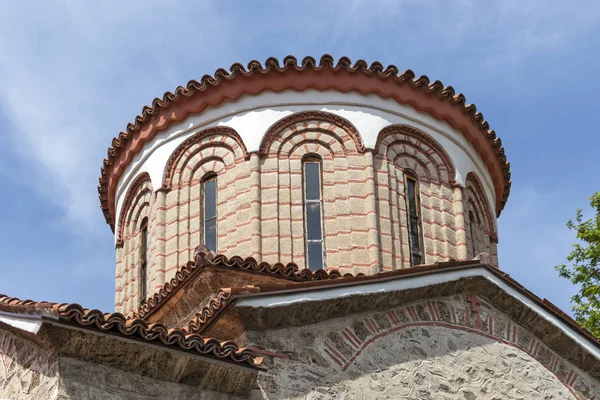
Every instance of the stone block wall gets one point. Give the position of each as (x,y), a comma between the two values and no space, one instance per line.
(27,371)
(456,347)
(260,210)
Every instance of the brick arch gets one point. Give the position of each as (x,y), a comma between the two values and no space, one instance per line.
(346,343)
(142,206)
(419,168)
(316,147)
(323,123)
(402,139)
(476,196)
(138,188)
(205,166)
(212,138)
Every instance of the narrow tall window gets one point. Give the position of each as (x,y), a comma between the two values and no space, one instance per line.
(209,193)
(313,218)
(413,211)
(143,258)
(473,233)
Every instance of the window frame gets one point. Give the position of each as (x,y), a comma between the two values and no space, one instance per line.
(410,175)
(143,286)
(313,159)
(209,177)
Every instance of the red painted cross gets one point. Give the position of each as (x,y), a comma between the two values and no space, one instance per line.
(474,302)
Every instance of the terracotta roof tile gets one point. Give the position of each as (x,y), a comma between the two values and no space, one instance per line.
(265,289)
(210,311)
(135,328)
(226,296)
(203,258)
(223,86)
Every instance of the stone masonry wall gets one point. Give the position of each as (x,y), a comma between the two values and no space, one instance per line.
(27,371)
(82,380)
(260,210)
(448,348)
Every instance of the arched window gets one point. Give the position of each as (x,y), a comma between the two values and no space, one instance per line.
(313,213)
(143,258)
(209,206)
(413,214)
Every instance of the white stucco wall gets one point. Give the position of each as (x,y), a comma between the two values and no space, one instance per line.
(251,116)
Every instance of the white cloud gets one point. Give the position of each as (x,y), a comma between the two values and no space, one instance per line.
(68,71)
(73,74)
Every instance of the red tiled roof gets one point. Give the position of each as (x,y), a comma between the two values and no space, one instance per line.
(433,97)
(272,288)
(134,328)
(289,271)
(226,296)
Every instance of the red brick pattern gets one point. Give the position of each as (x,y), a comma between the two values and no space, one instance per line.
(346,343)
(484,227)
(400,148)
(348,222)
(139,207)
(260,201)
(214,150)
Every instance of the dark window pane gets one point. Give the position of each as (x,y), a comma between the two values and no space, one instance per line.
(143,283)
(313,221)
(144,245)
(412,203)
(315,255)
(414,227)
(143,258)
(413,221)
(210,234)
(416,259)
(210,198)
(414,242)
(312,180)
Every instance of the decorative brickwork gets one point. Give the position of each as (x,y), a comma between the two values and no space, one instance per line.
(260,212)
(479,223)
(448,347)
(217,151)
(432,97)
(139,204)
(349,223)
(399,149)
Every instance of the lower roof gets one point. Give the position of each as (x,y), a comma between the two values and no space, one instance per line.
(29,315)
(296,299)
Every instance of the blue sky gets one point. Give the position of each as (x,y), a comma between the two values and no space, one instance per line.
(73,74)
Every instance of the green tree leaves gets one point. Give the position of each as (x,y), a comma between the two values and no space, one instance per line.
(585,268)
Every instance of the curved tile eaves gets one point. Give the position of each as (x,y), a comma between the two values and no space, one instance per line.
(439,101)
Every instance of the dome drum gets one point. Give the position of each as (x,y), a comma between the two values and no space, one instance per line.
(363,219)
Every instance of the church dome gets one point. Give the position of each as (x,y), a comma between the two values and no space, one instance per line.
(326,165)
